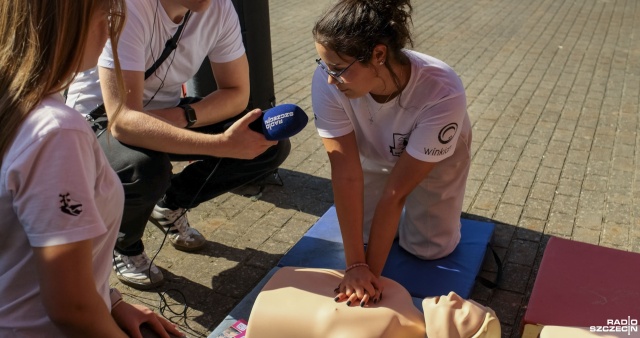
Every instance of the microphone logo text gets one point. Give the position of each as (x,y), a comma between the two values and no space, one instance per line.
(276,120)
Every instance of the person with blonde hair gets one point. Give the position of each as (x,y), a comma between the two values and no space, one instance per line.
(394,123)
(60,201)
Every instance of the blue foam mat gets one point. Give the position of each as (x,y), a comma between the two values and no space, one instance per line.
(321,247)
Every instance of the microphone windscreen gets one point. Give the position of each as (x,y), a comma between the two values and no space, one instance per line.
(280,122)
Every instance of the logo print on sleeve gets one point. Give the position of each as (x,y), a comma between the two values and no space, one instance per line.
(445,136)
(447,133)
(69,206)
(400,142)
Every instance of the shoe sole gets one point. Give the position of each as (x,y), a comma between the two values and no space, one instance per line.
(186,249)
(139,286)
(177,247)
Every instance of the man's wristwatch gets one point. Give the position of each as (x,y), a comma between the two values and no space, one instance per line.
(189,114)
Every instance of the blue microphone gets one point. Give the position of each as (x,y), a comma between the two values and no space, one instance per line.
(280,122)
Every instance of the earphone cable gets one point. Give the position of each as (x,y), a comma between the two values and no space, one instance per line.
(174,52)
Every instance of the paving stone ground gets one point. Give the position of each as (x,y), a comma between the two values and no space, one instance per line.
(553,93)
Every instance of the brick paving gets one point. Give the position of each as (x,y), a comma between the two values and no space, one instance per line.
(553,92)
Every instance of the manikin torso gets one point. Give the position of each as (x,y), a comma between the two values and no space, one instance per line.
(298,302)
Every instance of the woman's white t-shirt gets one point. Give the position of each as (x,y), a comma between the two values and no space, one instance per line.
(426,124)
(56,187)
(431,124)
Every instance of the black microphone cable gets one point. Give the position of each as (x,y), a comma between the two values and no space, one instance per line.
(164,305)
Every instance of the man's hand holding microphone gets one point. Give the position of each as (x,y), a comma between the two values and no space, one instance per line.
(275,124)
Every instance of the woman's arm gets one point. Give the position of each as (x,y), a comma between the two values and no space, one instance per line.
(73,304)
(130,316)
(69,291)
(348,189)
(405,176)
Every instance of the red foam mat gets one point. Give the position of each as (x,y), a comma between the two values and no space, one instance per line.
(584,285)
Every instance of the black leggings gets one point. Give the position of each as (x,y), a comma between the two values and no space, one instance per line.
(146,176)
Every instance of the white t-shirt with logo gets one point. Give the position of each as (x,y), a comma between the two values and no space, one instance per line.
(431,124)
(214,32)
(56,187)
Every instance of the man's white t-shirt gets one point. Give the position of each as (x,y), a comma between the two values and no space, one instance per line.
(56,187)
(431,124)
(214,32)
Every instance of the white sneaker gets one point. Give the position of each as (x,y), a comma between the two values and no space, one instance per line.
(137,271)
(181,235)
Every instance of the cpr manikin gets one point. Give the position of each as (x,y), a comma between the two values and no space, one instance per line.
(295,303)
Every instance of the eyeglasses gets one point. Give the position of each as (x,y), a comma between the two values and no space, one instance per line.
(336,75)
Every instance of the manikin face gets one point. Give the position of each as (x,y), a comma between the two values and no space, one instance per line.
(357,80)
(452,316)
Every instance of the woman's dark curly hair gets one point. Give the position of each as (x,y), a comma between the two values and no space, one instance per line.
(354,27)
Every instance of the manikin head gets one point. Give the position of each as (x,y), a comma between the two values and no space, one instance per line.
(298,302)
(454,317)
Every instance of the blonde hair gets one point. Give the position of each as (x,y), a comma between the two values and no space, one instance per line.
(42,43)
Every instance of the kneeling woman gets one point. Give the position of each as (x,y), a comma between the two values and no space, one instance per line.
(395,126)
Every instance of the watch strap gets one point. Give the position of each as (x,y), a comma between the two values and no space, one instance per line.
(189,114)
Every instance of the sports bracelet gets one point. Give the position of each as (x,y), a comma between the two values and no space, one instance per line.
(115,296)
(353,266)
(113,306)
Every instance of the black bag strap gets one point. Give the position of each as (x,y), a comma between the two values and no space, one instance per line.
(169,47)
(485,281)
